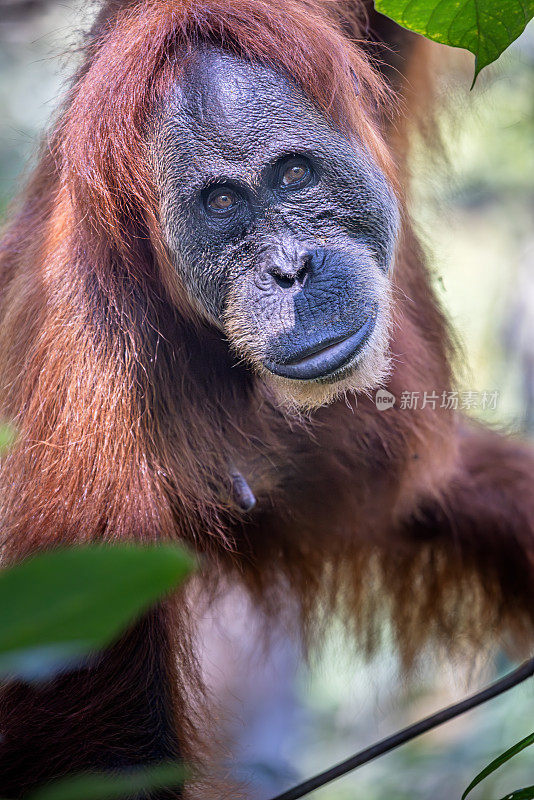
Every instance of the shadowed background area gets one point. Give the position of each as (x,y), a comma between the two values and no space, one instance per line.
(475,209)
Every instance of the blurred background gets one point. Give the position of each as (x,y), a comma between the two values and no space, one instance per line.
(475,213)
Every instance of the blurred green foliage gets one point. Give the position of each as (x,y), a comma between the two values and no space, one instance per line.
(57,607)
(7,437)
(475,211)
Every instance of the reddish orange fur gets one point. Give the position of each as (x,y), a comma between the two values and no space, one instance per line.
(130,409)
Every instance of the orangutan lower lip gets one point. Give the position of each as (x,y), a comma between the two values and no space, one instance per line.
(326,357)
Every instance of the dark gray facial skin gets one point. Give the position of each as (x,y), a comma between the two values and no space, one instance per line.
(282,230)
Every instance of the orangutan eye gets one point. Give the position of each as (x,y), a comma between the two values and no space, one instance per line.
(221,200)
(297,174)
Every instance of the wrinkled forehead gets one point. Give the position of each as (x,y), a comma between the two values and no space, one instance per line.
(230,112)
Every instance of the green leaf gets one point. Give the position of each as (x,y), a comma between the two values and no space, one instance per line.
(521,794)
(499,761)
(58,606)
(485,27)
(105,786)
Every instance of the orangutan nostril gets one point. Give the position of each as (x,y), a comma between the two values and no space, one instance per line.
(287,277)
